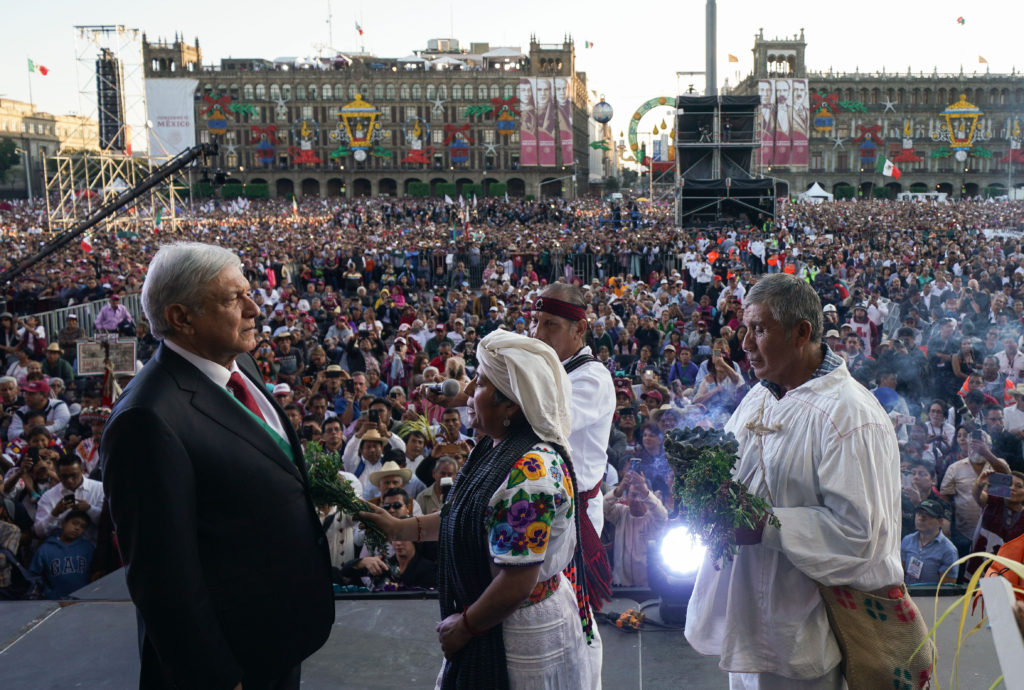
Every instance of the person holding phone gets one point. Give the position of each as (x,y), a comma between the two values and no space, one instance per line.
(1001,515)
(74,492)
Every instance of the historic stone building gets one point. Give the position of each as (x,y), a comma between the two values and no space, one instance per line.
(39,135)
(361,125)
(854,117)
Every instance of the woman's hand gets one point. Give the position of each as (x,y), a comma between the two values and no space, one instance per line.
(372,565)
(391,526)
(452,635)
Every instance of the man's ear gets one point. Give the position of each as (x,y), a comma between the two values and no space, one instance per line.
(179,318)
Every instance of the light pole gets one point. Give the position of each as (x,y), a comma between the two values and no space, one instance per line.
(28,176)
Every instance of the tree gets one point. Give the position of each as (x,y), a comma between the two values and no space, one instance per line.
(8,157)
(611,184)
(629,177)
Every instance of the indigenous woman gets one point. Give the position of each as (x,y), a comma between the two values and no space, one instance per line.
(511,616)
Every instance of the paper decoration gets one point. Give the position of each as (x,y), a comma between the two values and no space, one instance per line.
(244,108)
(417,132)
(457,138)
(265,139)
(507,112)
(216,114)
(306,131)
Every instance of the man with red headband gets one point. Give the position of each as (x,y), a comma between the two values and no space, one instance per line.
(562,324)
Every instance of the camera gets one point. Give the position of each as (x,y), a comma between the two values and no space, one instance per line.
(350,386)
(308,431)
(373,416)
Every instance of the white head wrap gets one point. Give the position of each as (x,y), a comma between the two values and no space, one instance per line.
(530,374)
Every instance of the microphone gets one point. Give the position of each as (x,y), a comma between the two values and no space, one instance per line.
(446,486)
(447,388)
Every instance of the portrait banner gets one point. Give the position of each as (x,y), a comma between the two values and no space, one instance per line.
(546,121)
(563,105)
(528,126)
(799,150)
(783,138)
(766,120)
(170,108)
(92,355)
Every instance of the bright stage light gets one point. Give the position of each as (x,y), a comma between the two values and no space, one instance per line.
(681,551)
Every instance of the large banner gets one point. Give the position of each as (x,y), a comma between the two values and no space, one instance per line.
(563,105)
(784,116)
(547,121)
(170,109)
(528,117)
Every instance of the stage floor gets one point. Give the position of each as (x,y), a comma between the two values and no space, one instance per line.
(376,643)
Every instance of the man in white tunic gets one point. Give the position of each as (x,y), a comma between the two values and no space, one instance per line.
(821,450)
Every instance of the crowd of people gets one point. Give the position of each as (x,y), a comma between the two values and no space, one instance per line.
(367,307)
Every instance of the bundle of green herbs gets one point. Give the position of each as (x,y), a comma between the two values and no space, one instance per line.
(328,488)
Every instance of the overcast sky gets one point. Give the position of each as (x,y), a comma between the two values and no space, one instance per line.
(638,47)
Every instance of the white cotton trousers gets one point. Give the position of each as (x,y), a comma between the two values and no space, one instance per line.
(833,680)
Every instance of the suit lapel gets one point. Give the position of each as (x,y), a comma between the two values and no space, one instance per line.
(214,402)
(248,366)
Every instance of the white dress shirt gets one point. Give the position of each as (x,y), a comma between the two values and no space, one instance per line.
(90,491)
(220,376)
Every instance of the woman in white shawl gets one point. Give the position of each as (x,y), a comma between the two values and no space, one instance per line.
(511,616)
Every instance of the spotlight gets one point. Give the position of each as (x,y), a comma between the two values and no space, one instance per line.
(672,566)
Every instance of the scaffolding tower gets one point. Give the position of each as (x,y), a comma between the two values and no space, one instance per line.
(110,78)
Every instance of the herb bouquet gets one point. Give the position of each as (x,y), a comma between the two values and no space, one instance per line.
(328,488)
(709,501)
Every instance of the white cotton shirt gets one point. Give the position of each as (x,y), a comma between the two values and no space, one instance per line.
(831,470)
(593,405)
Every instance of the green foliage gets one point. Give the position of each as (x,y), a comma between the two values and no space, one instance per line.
(421,424)
(419,189)
(232,190)
(442,188)
(468,190)
(327,488)
(710,502)
(200,189)
(881,193)
(845,191)
(611,184)
(8,157)
(257,191)
(497,189)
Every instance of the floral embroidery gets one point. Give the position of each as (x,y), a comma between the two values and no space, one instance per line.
(501,538)
(532,466)
(521,514)
(537,537)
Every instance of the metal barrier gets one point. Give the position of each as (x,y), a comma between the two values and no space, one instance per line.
(54,321)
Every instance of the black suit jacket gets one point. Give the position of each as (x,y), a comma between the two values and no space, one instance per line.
(226,560)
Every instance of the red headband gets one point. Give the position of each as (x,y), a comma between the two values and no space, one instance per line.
(557,307)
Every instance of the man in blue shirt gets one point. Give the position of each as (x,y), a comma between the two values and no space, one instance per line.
(927,553)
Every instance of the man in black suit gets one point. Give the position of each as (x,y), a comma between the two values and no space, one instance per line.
(226,561)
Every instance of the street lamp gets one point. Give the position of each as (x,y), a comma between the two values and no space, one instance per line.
(28,177)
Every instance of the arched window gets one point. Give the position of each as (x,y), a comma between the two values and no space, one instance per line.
(364,89)
(247,92)
(312,92)
(352,90)
(327,94)
(234,92)
(275,92)
(404,92)
(430,92)
(417,92)
(339,91)
(509,91)
(442,91)
(300,92)
(456,92)
(389,92)
(481,92)
(495,91)
(261,92)
(378,92)
(286,91)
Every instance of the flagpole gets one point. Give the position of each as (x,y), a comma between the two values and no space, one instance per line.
(30,101)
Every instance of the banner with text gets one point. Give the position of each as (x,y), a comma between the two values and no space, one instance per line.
(528,128)
(563,104)
(170,109)
(547,121)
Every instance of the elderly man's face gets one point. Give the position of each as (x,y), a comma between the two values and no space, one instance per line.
(8,392)
(388,483)
(225,325)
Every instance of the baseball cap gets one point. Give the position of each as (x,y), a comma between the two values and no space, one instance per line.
(282,389)
(653,395)
(832,333)
(933,507)
(828,308)
(37,386)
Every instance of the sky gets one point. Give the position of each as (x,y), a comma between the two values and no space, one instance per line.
(638,48)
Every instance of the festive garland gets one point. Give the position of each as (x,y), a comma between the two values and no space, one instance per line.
(942,152)
(854,106)
(600,144)
(710,502)
(244,108)
(483,109)
(981,152)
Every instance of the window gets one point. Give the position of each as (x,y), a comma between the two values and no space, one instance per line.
(247,92)
(339,91)
(430,92)
(456,92)
(300,92)
(442,91)
(404,92)
(261,92)
(307,112)
(327,92)
(417,92)
(437,136)
(275,92)
(256,115)
(509,91)
(378,92)
(352,91)
(495,91)
(364,89)
(488,136)
(481,92)
(410,112)
(312,92)
(389,92)
(286,91)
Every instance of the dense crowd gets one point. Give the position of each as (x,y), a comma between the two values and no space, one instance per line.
(368,306)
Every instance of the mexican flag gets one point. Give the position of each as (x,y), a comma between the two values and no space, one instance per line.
(158,224)
(887,167)
(295,207)
(33,67)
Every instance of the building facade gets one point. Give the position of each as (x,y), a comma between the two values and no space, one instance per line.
(954,133)
(362,125)
(39,135)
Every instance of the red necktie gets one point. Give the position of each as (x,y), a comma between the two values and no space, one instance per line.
(236,384)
